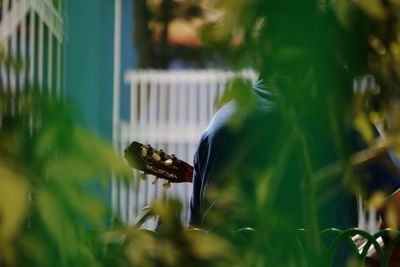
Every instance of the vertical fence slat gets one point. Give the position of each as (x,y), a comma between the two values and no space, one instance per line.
(32,48)
(59,66)
(212,94)
(123,200)
(6,6)
(40,54)
(133,134)
(142,129)
(203,99)
(4,67)
(162,110)
(50,63)
(153,133)
(13,78)
(22,56)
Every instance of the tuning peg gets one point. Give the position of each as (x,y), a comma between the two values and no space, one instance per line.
(156,156)
(143,176)
(167,185)
(168,162)
(155,180)
(143,151)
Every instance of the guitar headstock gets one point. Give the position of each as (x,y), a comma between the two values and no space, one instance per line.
(158,163)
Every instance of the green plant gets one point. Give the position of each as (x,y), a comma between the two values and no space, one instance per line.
(50,171)
(308,53)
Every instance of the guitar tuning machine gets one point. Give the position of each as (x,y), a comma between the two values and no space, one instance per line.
(156,156)
(168,162)
(167,185)
(144,151)
(143,176)
(155,180)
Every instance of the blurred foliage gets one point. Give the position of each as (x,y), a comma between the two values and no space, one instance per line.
(172,244)
(51,211)
(50,168)
(308,53)
(165,31)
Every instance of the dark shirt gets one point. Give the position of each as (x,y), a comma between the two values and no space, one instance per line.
(223,147)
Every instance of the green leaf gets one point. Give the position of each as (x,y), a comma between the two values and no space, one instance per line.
(52,214)
(202,248)
(372,8)
(14,190)
(241,92)
(93,209)
(364,127)
(105,157)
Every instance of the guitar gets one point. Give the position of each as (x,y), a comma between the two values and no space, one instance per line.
(158,163)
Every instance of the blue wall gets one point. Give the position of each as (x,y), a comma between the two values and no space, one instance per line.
(88,68)
(128,53)
(88,64)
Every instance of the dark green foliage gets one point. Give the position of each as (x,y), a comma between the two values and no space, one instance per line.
(48,166)
(308,53)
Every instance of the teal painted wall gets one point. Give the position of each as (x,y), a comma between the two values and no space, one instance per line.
(88,65)
(88,68)
(128,52)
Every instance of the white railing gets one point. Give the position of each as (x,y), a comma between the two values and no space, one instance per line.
(368,219)
(169,110)
(31,32)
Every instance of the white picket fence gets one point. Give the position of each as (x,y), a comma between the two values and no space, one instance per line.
(169,110)
(367,216)
(31,33)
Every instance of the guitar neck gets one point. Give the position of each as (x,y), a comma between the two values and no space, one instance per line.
(187,173)
(158,163)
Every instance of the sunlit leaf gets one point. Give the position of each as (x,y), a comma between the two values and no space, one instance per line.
(373,8)
(262,189)
(52,214)
(45,141)
(13,207)
(170,253)
(343,11)
(93,210)
(363,125)
(241,92)
(91,145)
(201,245)
(70,168)
(391,217)
(377,200)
